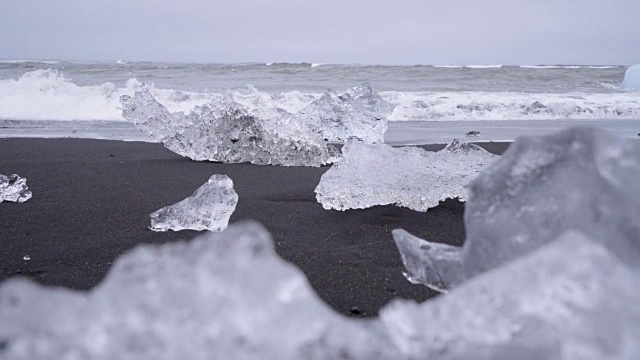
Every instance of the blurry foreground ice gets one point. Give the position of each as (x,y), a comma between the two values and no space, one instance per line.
(220,296)
(370,175)
(209,208)
(226,131)
(570,299)
(14,188)
(632,78)
(229,296)
(580,178)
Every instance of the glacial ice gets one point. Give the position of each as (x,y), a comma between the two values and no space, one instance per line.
(632,78)
(359,114)
(570,299)
(229,296)
(209,208)
(369,175)
(14,188)
(224,131)
(580,178)
(220,296)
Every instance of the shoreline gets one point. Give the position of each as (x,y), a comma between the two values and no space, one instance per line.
(92,199)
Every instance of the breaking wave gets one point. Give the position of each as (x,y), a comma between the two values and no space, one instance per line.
(48,95)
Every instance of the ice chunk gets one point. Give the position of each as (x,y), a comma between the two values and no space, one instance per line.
(220,296)
(570,299)
(14,188)
(209,208)
(580,178)
(359,114)
(632,78)
(370,175)
(224,131)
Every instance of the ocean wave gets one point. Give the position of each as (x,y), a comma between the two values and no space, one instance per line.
(48,95)
(568,66)
(483,66)
(46,62)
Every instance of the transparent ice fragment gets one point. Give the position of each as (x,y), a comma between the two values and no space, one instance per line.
(14,188)
(570,299)
(632,78)
(226,131)
(580,178)
(369,175)
(359,114)
(209,208)
(220,296)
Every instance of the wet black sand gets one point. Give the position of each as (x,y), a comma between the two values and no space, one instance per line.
(92,199)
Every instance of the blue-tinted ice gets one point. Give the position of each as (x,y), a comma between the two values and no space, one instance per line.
(582,179)
(632,78)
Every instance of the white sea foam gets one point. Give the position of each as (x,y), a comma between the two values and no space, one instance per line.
(568,66)
(48,95)
(483,66)
(511,105)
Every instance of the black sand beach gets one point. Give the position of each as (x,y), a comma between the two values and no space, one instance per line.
(92,199)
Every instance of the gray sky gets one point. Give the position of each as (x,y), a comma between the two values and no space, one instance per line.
(331,31)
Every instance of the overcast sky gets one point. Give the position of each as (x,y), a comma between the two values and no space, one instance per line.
(332,31)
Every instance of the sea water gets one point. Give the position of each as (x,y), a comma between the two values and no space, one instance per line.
(433,103)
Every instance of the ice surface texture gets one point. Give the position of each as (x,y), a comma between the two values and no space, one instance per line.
(14,188)
(220,296)
(209,208)
(570,299)
(370,175)
(580,178)
(224,131)
(229,296)
(359,114)
(632,78)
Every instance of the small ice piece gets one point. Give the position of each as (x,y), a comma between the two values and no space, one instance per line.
(359,114)
(14,188)
(220,296)
(370,175)
(209,208)
(226,131)
(632,78)
(570,299)
(26,258)
(580,178)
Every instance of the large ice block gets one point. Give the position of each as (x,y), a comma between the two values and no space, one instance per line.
(220,296)
(632,78)
(580,178)
(359,114)
(570,299)
(209,208)
(369,175)
(225,131)
(14,188)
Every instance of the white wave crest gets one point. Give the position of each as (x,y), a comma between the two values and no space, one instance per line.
(48,95)
(483,66)
(567,66)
